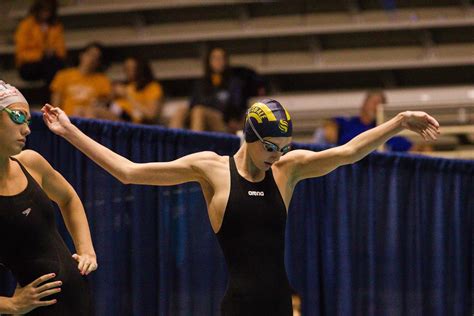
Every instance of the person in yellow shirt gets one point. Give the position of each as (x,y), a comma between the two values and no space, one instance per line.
(84,90)
(39,43)
(140,98)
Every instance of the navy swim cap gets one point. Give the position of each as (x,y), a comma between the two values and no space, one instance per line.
(269,118)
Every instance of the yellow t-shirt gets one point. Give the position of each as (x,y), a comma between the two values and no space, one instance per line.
(78,90)
(150,93)
(31,42)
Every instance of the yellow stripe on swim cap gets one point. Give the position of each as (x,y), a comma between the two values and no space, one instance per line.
(255,116)
(287,115)
(266,110)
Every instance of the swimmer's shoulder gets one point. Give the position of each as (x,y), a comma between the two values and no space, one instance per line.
(32,160)
(210,160)
(34,163)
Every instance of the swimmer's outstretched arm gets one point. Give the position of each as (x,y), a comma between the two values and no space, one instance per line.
(303,164)
(186,169)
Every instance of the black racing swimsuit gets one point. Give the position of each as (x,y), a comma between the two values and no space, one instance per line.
(30,246)
(252,237)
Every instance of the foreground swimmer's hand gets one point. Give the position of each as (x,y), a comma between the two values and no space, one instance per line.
(421,123)
(86,263)
(27,298)
(55,118)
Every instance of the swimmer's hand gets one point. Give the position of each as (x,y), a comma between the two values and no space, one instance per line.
(420,123)
(86,263)
(56,120)
(27,298)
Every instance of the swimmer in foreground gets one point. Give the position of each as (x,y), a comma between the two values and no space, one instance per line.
(248,195)
(50,280)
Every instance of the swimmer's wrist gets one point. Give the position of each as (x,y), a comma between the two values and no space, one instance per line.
(86,250)
(69,130)
(401,118)
(9,306)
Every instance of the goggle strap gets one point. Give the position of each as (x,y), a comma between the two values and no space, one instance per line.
(275,147)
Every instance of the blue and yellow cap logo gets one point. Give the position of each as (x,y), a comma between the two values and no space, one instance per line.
(269,118)
(283,126)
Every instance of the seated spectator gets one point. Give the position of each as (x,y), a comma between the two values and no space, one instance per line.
(218,93)
(340,130)
(84,90)
(39,43)
(139,99)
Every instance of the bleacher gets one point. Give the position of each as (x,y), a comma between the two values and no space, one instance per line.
(318,56)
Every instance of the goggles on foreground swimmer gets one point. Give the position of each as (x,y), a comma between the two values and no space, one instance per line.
(17,116)
(269,146)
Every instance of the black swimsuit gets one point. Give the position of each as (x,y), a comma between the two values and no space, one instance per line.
(252,237)
(30,246)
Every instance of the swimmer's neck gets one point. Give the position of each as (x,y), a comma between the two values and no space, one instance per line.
(4,167)
(245,165)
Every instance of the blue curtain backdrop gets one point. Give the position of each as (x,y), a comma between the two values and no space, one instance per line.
(390,235)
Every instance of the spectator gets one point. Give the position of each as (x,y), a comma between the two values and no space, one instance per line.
(39,39)
(218,93)
(340,130)
(139,99)
(84,90)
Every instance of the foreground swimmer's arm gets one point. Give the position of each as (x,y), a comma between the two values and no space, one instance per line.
(72,210)
(304,164)
(27,298)
(186,169)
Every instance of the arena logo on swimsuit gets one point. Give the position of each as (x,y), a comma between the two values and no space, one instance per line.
(256,193)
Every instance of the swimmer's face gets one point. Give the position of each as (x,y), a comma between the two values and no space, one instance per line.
(264,155)
(13,134)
